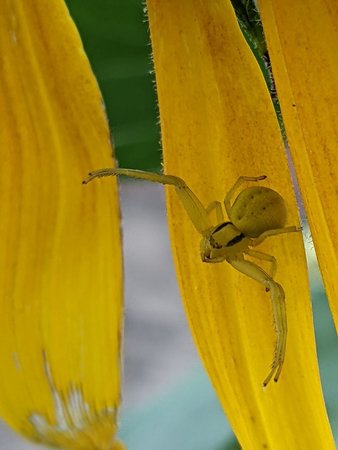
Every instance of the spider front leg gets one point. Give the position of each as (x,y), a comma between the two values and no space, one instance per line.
(278,308)
(191,203)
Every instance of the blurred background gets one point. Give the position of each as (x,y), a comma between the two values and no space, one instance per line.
(168,402)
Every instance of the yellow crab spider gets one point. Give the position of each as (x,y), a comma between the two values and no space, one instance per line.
(256,214)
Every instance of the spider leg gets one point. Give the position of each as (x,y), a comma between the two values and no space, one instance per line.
(264,257)
(217,206)
(194,208)
(240,181)
(278,308)
(258,240)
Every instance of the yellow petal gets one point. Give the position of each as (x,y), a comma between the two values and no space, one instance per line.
(303,43)
(218,123)
(60,298)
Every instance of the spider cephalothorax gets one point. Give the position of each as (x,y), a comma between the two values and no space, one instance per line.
(222,241)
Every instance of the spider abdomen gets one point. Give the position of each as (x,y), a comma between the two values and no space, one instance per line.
(258,209)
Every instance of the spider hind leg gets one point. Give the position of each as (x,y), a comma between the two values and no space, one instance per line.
(278,309)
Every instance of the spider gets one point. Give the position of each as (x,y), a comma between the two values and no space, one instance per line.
(256,214)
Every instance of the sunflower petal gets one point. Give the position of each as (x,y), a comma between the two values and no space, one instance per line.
(303,43)
(217,124)
(61,288)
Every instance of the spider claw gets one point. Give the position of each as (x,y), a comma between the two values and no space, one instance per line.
(86,180)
